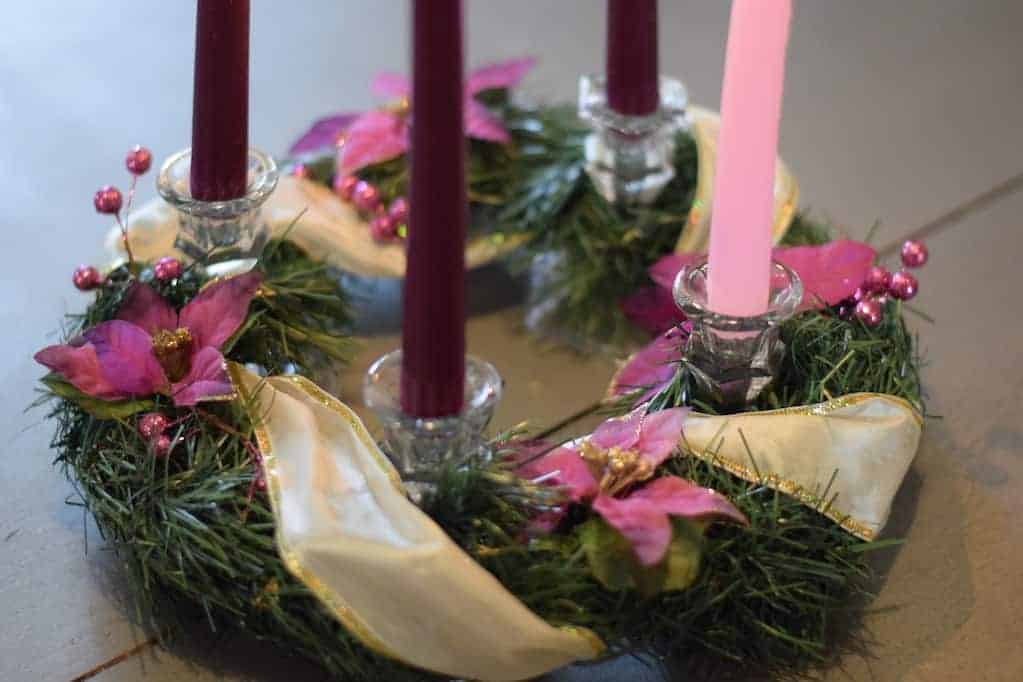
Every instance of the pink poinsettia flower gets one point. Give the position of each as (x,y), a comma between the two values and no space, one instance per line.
(610,470)
(325,132)
(653,367)
(380,135)
(653,309)
(151,348)
(830,273)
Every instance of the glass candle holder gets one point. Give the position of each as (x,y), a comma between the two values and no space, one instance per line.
(226,236)
(630,159)
(735,358)
(421,447)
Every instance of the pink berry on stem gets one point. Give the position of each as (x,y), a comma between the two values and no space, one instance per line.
(167,268)
(904,285)
(869,312)
(382,228)
(86,278)
(399,211)
(344,185)
(152,425)
(860,294)
(107,199)
(877,280)
(138,160)
(162,445)
(366,197)
(914,254)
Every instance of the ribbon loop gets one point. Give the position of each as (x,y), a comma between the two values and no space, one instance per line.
(389,574)
(855,450)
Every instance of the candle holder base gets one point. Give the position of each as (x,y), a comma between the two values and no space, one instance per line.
(418,447)
(225,236)
(630,159)
(733,358)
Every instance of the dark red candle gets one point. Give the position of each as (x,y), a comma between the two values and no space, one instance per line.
(220,106)
(632,56)
(433,329)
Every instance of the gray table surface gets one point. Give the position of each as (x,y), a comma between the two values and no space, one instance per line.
(898,112)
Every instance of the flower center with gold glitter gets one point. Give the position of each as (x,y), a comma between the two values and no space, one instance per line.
(615,468)
(173,350)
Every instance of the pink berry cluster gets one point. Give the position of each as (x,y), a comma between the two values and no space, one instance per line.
(868,302)
(387,223)
(153,427)
(108,201)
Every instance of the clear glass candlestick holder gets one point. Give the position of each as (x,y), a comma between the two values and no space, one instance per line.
(421,447)
(734,358)
(226,236)
(630,159)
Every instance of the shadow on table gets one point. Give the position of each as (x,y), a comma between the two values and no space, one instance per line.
(924,588)
(376,302)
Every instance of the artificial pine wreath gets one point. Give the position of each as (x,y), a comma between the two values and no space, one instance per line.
(181,502)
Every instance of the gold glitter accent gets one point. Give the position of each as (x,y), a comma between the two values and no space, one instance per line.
(615,468)
(589,635)
(400,107)
(267,596)
(826,408)
(595,457)
(791,489)
(173,350)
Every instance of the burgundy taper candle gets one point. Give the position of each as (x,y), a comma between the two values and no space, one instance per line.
(631,71)
(220,104)
(433,322)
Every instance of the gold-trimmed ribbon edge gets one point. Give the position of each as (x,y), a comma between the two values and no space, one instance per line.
(340,609)
(314,391)
(791,488)
(337,606)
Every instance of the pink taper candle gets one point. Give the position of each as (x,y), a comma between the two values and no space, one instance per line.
(743,212)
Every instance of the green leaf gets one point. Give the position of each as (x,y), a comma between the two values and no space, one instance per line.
(97,407)
(615,566)
(610,556)
(682,562)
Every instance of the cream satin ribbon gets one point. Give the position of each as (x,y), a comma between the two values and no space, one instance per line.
(854,451)
(329,229)
(389,574)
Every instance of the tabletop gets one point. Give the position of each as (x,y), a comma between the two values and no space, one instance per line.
(905,113)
